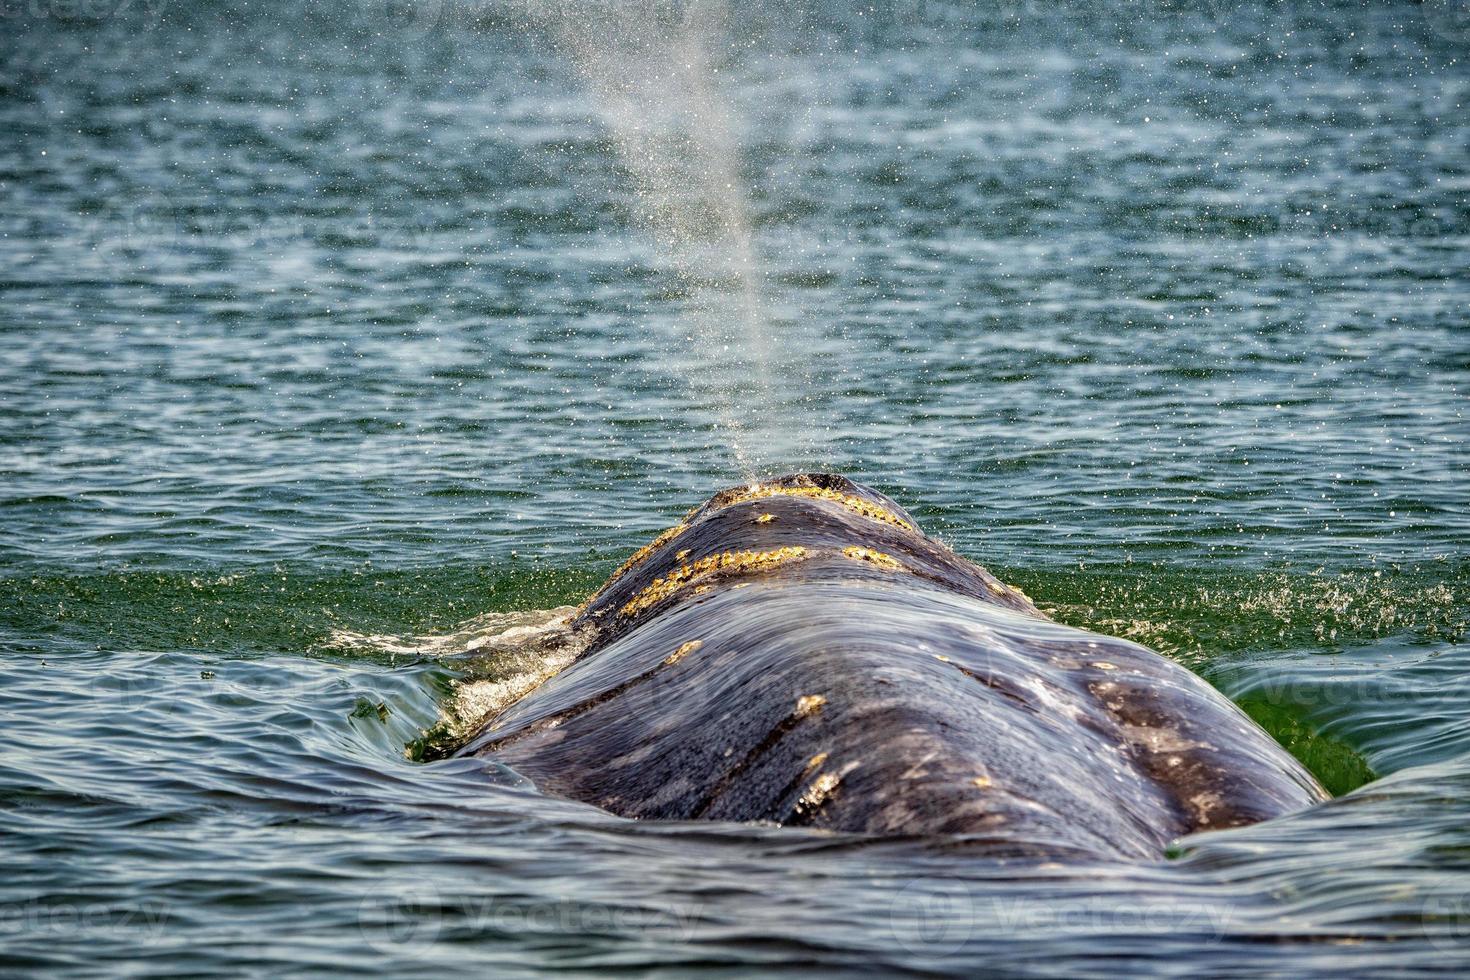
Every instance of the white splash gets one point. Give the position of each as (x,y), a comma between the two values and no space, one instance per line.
(503,632)
(503,657)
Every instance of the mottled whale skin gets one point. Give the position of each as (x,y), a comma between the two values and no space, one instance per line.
(798,652)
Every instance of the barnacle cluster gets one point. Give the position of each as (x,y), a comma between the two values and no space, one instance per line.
(808,704)
(879,558)
(744,561)
(684,650)
(857,505)
(820,790)
(637,558)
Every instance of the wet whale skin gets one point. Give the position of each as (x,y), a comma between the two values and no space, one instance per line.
(798,652)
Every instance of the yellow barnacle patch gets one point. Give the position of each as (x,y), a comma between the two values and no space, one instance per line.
(856,504)
(726,561)
(808,704)
(635,559)
(683,651)
(819,791)
(873,557)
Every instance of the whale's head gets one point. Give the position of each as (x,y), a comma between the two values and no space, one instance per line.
(782,528)
(822,486)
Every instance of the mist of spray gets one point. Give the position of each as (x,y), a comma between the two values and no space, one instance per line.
(653,68)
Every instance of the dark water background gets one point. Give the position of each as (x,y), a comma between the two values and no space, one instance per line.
(346,317)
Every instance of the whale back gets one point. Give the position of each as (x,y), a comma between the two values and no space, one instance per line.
(799,652)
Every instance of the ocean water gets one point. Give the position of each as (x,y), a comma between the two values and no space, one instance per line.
(342,343)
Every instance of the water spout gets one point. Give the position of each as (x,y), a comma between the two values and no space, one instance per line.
(654,71)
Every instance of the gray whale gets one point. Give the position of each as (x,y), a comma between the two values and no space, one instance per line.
(798,652)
